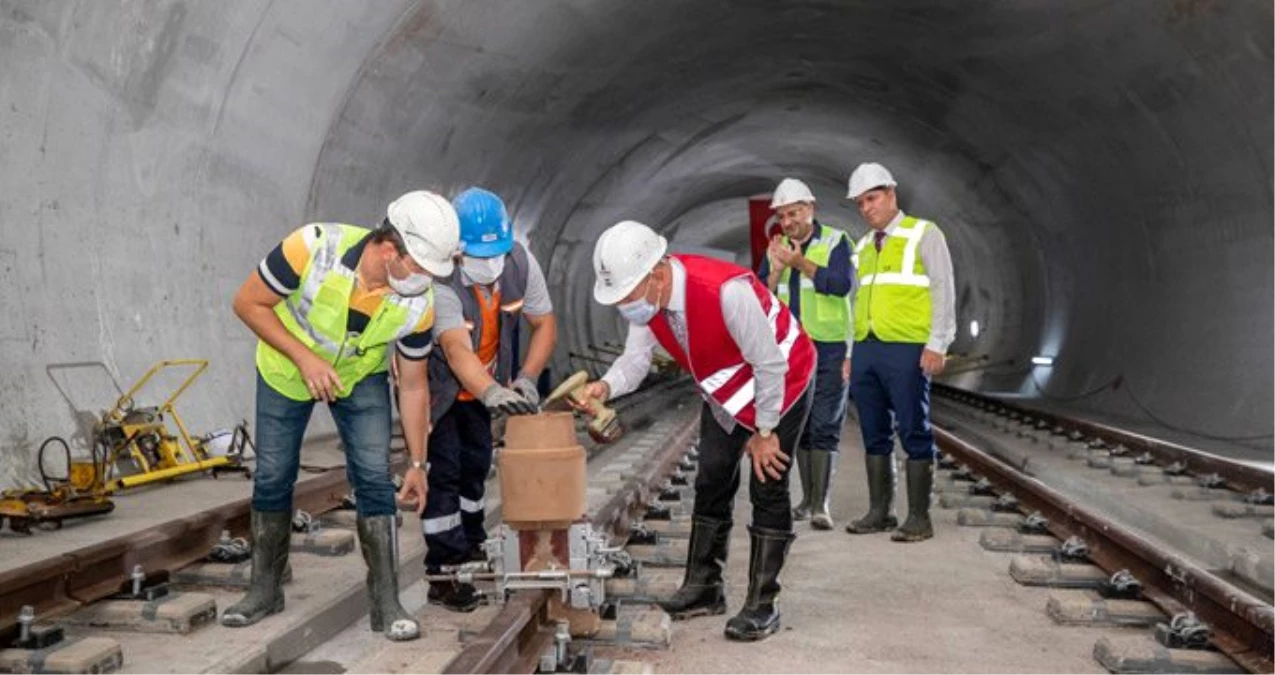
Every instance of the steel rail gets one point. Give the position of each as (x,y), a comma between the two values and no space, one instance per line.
(1238,475)
(1241,623)
(520,631)
(85,575)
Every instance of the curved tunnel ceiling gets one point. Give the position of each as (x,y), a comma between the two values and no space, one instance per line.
(1102,169)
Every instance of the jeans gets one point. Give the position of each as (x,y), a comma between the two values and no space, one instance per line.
(362,420)
(459,460)
(718,477)
(828,409)
(886,380)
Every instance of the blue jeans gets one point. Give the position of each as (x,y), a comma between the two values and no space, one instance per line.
(828,409)
(459,459)
(886,381)
(363,421)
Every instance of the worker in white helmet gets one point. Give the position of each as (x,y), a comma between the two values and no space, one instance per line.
(809,268)
(754,365)
(329,304)
(904,320)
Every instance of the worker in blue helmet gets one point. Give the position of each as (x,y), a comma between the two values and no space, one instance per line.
(474,375)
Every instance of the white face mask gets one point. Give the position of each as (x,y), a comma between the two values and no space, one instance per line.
(412,285)
(483,271)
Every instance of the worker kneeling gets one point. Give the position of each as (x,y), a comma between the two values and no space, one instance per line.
(478,311)
(328,303)
(754,365)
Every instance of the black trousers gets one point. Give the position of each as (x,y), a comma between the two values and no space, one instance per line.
(719,467)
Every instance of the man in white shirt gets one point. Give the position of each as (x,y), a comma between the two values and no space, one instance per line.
(754,366)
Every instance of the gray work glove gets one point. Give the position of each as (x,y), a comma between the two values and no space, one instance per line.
(525,386)
(507,401)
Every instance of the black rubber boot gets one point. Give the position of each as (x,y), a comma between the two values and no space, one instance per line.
(453,596)
(802,510)
(703,591)
(880,497)
(920,481)
(823,466)
(271,538)
(760,616)
(377,540)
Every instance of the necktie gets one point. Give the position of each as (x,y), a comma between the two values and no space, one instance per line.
(877,238)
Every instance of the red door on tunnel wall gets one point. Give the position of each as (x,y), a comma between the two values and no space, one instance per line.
(762,225)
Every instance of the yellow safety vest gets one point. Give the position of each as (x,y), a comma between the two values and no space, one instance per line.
(893,301)
(825,317)
(317,312)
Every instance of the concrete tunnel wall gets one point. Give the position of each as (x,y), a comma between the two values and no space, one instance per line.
(1102,169)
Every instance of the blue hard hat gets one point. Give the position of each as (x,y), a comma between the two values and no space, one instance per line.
(484,223)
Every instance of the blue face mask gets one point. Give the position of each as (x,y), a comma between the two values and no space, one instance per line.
(639,311)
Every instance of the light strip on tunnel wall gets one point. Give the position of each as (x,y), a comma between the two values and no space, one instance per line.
(1042,360)
(974,328)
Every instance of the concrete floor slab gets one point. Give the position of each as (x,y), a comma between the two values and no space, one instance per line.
(866,604)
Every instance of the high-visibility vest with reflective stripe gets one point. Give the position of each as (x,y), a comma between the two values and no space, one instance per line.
(714,358)
(893,300)
(825,317)
(444,388)
(316,314)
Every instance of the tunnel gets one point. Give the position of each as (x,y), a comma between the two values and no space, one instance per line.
(1102,171)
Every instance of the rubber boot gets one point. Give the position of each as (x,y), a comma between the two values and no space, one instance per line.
(271,538)
(880,497)
(377,539)
(920,481)
(760,616)
(823,466)
(802,510)
(703,591)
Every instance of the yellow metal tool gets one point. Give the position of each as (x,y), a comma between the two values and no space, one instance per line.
(143,436)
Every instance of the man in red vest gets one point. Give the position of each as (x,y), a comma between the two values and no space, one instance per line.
(753,364)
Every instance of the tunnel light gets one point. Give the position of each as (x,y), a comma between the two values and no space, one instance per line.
(1042,360)
(974,328)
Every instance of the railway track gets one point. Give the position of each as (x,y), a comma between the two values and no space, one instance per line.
(81,581)
(1000,476)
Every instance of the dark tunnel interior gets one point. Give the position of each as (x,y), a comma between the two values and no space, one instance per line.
(1102,171)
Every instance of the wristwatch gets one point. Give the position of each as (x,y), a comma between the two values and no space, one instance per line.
(763,432)
(416,464)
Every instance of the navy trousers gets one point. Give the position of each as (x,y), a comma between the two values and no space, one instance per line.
(888,389)
(828,408)
(459,460)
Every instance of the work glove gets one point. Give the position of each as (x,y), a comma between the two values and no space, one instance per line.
(507,401)
(523,385)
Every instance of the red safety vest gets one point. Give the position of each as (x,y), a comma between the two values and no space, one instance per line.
(715,359)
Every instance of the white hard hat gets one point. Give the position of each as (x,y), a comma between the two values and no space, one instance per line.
(869,176)
(791,191)
(429,228)
(623,256)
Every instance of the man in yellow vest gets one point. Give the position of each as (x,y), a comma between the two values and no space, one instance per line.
(329,304)
(904,320)
(809,269)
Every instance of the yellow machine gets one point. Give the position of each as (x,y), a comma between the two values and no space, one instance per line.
(132,446)
(142,436)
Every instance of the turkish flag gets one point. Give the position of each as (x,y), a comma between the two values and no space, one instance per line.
(762,225)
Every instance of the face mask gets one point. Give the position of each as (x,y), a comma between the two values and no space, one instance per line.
(639,311)
(483,271)
(412,285)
